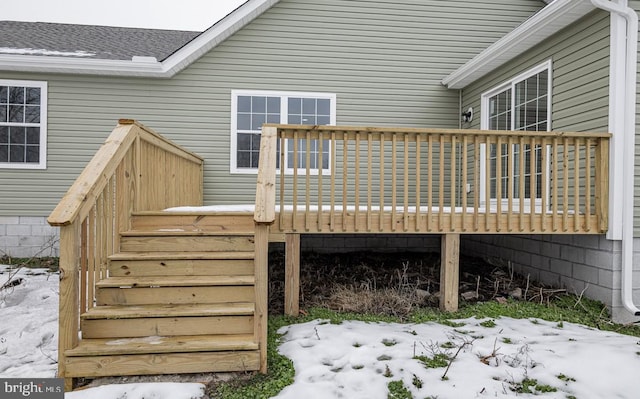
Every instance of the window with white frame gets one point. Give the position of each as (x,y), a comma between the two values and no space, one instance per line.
(251,109)
(23,124)
(524,104)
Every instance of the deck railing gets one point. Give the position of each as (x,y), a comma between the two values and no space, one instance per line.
(384,180)
(135,170)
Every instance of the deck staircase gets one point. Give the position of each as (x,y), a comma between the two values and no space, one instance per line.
(179,297)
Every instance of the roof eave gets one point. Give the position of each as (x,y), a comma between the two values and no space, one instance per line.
(548,21)
(173,64)
(89,66)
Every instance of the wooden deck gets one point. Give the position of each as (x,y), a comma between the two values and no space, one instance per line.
(149,291)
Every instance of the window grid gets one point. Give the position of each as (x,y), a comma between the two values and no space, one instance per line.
(252,110)
(528,99)
(21,124)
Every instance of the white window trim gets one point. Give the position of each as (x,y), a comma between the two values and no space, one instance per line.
(484,125)
(284,95)
(43,124)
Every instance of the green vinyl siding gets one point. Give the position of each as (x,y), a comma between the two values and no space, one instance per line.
(384,60)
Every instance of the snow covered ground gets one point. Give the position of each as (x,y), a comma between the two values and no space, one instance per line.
(492,358)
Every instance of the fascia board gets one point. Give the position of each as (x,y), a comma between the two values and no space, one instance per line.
(542,25)
(142,68)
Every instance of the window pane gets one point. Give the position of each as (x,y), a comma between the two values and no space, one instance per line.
(244,141)
(16,113)
(4,113)
(255,142)
(309,106)
(323,120)
(4,134)
(308,119)
(244,159)
(543,83)
(4,153)
(295,119)
(532,87)
(33,135)
(324,107)
(273,118)
(244,122)
(273,105)
(257,120)
(33,95)
(244,104)
(259,104)
(295,106)
(32,114)
(16,95)
(33,154)
(17,135)
(16,153)
(4,94)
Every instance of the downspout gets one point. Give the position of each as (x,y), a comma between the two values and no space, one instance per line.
(629,56)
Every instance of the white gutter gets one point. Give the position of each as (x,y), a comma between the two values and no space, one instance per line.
(629,58)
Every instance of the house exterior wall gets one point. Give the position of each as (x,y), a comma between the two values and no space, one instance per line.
(589,264)
(384,61)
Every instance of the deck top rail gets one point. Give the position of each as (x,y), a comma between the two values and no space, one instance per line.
(340,179)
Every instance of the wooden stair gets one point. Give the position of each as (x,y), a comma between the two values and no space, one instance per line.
(179,298)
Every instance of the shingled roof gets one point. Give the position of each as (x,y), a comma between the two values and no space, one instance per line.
(89,41)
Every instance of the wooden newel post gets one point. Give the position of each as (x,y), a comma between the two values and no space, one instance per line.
(69,310)
(449,272)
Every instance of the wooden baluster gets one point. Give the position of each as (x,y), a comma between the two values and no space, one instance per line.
(543,182)
(294,211)
(476,183)
(382,190)
(345,163)
(510,187)
(498,183)
(487,182)
(602,183)
(532,183)
(283,167)
(333,148)
(394,179)
(357,184)
(405,218)
(576,184)
(307,168)
(454,164)
(418,187)
(430,183)
(441,184)
(565,187)
(522,181)
(320,170)
(554,187)
(369,179)
(465,156)
(587,190)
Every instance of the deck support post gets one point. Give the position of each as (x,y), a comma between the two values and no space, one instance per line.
(449,271)
(292,275)
(261,290)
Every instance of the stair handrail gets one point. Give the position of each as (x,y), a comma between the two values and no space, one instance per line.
(77,202)
(127,174)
